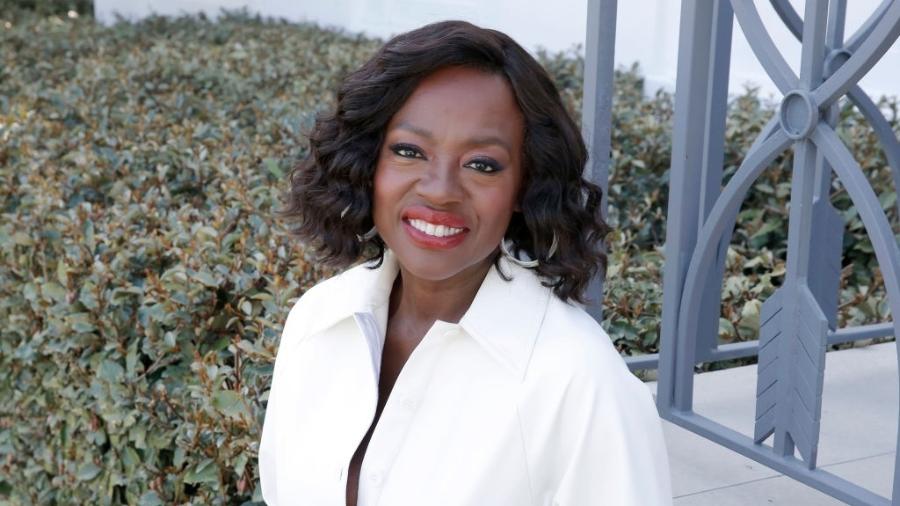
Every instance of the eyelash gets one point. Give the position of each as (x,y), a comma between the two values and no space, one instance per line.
(491,165)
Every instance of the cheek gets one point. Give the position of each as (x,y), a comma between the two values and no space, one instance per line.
(388,187)
(382,184)
(497,209)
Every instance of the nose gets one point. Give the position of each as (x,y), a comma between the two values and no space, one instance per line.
(440,183)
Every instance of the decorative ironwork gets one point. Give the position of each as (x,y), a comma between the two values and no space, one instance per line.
(799,320)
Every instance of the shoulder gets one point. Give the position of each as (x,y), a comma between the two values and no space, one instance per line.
(590,422)
(576,369)
(318,302)
(573,344)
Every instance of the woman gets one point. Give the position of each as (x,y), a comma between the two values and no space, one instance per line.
(457,365)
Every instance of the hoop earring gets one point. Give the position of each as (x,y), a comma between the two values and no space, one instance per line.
(552,246)
(530,264)
(368,235)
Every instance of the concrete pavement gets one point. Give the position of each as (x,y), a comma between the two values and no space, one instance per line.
(857,440)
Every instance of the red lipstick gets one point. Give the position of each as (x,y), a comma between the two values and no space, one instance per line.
(432,216)
(427,241)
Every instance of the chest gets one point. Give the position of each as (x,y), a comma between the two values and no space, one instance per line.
(440,421)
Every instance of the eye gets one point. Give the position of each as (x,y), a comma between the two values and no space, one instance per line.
(406,151)
(484,165)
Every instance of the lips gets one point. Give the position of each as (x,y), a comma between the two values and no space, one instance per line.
(427,241)
(432,216)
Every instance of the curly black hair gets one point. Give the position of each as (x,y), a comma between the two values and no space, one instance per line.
(330,192)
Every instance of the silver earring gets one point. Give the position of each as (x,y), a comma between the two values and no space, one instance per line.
(552,247)
(529,264)
(361,238)
(368,235)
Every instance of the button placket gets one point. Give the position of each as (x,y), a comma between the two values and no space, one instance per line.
(394,422)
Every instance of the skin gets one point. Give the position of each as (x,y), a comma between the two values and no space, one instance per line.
(456,145)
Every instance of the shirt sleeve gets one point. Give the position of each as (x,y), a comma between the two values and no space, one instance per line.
(619,455)
(271,426)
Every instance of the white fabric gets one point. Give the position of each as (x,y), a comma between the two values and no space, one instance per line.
(524,402)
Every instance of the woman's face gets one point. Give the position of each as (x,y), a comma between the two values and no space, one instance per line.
(449,173)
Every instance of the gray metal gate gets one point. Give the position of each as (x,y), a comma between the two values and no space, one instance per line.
(798,321)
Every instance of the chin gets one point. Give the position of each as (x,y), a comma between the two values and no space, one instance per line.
(436,265)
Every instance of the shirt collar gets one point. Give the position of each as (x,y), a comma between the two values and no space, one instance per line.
(504,317)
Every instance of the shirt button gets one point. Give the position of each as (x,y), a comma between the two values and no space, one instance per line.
(375,478)
(408,402)
(340,473)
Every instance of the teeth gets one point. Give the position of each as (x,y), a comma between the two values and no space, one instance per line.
(434,230)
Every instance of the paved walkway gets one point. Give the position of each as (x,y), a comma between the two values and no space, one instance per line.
(857,440)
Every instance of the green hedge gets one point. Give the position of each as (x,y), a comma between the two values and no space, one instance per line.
(144,280)
(26,8)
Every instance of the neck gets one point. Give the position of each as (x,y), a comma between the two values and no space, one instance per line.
(423,300)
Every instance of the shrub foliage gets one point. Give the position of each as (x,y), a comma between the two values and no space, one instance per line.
(144,281)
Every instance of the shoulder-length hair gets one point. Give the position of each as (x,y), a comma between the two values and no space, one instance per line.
(330,192)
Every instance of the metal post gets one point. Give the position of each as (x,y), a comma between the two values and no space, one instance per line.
(596,112)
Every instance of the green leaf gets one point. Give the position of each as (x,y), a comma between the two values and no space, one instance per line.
(87,297)
(54,291)
(769,226)
(23,239)
(150,498)
(206,278)
(88,471)
(204,472)
(111,371)
(273,168)
(178,457)
(229,403)
(240,462)
(726,330)
(62,272)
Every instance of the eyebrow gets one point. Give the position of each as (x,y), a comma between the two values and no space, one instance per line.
(473,141)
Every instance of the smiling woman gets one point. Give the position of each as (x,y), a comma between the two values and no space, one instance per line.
(451,157)
(446,369)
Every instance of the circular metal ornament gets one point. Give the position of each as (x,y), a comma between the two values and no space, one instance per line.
(799,114)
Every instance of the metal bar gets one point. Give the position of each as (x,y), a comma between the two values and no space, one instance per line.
(877,227)
(642,362)
(596,113)
(870,50)
(706,246)
(862,33)
(883,131)
(848,334)
(812,54)
(763,46)
(711,167)
(692,83)
(788,16)
(788,431)
(824,481)
(837,19)
(743,349)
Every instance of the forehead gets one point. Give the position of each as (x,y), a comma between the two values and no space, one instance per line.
(462,98)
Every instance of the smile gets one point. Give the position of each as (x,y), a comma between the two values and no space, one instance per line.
(434,237)
(434,230)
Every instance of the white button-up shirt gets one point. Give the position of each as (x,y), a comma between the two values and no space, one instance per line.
(524,402)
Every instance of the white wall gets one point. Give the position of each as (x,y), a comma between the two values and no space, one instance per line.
(647,30)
